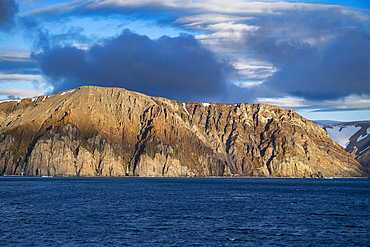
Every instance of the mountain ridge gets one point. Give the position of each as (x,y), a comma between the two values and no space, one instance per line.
(353,136)
(94,131)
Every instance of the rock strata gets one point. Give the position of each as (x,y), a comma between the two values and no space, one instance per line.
(93,131)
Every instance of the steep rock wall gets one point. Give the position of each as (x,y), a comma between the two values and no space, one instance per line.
(94,131)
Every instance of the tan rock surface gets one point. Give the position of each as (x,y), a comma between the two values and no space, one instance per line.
(94,131)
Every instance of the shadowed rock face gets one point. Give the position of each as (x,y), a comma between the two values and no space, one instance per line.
(93,131)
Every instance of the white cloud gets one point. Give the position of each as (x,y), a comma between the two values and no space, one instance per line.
(230,7)
(59,8)
(21,93)
(14,54)
(284,102)
(251,84)
(15,77)
(348,103)
(205,19)
(252,70)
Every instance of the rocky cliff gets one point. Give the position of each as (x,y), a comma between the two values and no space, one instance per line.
(92,131)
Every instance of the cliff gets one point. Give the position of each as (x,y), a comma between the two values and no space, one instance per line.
(93,131)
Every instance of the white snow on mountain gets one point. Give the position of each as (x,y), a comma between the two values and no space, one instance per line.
(349,134)
(70,91)
(185,109)
(341,134)
(9,100)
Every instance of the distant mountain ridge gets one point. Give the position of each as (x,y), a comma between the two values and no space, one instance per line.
(353,136)
(95,131)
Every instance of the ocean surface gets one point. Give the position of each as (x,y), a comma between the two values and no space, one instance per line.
(184,212)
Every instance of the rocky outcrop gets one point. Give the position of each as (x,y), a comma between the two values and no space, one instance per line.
(62,155)
(94,131)
(7,163)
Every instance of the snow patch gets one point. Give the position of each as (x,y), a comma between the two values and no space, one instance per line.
(363,137)
(206,104)
(46,97)
(185,109)
(70,91)
(341,134)
(10,100)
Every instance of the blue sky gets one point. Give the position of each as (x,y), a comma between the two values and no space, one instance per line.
(310,56)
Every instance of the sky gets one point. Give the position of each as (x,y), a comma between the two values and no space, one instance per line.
(310,56)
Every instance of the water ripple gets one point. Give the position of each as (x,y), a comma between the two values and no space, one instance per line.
(183,212)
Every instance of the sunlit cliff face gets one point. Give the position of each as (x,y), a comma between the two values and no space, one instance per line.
(94,131)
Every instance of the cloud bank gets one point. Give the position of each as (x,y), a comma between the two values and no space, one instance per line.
(20,93)
(340,70)
(178,68)
(308,54)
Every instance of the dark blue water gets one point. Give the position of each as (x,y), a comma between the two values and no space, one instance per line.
(184,212)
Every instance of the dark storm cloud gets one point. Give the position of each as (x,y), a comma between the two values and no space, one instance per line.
(339,70)
(178,68)
(8,10)
(326,57)
(293,35)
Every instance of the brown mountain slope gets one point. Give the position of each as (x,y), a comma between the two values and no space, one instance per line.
(94,131)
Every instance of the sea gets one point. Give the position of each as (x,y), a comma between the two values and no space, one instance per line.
(52,211)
